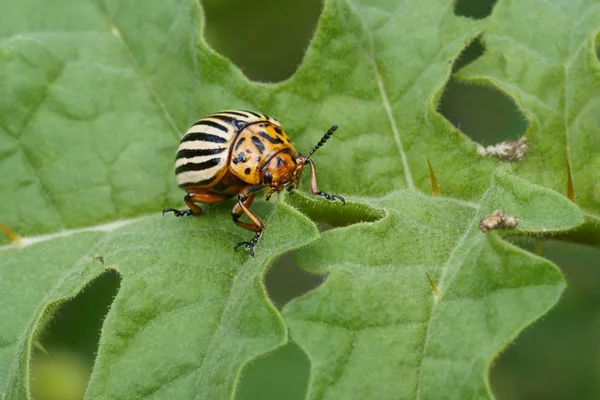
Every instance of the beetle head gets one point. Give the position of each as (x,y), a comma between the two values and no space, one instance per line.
(280,172)
(284,170)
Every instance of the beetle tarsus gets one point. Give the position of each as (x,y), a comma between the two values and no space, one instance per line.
(176,212)
(249,245)
(271,192)
(332,197)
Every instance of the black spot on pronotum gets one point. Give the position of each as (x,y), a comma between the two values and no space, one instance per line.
(270,139)
(239,143)
(248,151)
(239,158)
(259,145)
(257,159)
(247,171)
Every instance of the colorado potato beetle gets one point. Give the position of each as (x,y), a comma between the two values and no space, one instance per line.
(235,152)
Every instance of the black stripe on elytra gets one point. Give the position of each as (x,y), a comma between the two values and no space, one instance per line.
(198,166)
(278,130)
(212,124)
(258,144)
(238,123)
(239,143)
(199,152)
(225,118)
(203,182)
(271,139)
(239,114)
(255,114)
(204,137)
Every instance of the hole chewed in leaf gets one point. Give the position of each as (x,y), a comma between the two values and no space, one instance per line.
(473,51)
(67,345)
(479,110)
(474,9)
(332,214)
(285,281)
(286,370)
(266,42)
(281,374)
(482,112)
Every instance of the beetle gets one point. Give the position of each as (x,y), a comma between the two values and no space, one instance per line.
(236,152)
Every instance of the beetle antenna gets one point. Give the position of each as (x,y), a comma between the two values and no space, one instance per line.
(324,139)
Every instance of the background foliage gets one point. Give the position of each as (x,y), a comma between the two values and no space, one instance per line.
(556,358)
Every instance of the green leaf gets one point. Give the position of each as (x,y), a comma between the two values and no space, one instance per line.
(552,71)
(395,337)
(94,97)
(189,314)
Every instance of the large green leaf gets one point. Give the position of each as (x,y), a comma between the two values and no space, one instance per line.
(188,314)
(395,337)
(93,99)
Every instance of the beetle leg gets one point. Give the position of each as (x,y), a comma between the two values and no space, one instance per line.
(191,199)
(245,199)
(315,189)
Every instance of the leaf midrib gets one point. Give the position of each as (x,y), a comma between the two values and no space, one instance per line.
(384,98)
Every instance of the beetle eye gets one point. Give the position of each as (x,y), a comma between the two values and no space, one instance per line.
(268,178)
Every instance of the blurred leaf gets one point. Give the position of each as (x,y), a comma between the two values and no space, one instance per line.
(61,377)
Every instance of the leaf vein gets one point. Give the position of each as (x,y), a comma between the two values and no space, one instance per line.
(168,117)
(385,100)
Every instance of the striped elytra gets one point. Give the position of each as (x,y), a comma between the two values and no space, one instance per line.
(205,150)
(235,152)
